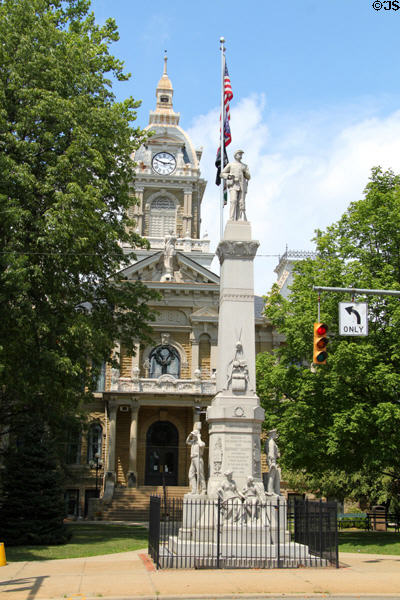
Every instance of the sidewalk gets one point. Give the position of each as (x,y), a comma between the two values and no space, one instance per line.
(130,575)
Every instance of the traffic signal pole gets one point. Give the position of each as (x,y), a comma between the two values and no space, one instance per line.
(351,290)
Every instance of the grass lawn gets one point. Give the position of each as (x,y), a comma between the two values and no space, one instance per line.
(369,542)
(87,540)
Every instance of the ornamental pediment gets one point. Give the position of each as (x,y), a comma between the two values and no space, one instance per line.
(181,270)
(171,317)
(205,313)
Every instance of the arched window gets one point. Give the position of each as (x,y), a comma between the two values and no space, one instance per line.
(162,217)
(95,441)
(164,359)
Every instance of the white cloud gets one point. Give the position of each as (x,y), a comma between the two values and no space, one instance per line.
(303,177)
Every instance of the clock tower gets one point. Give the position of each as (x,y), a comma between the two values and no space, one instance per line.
(168,184)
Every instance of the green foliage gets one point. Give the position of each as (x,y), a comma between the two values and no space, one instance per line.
(66,169)
(32,506)
(339,424)
(65,176)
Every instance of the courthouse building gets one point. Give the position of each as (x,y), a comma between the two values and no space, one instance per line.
(141,415)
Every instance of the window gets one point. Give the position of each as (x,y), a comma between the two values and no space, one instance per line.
(73,447)
(101,379)
(71,500)
(162,217)
(205,355)
(95,441)
(164,360)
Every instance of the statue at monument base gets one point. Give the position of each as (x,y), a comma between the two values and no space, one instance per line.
(274,471)
(196,470)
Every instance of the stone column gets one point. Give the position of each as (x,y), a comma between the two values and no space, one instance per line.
(135,361)
(196,419)
(132,472)
(235,415)
(139,209)
(195,357)
(112,438)
(213,354)
(187,212)
(109,482)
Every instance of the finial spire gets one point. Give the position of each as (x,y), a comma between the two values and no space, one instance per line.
(165,63)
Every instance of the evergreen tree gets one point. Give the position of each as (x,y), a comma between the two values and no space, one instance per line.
(32,508)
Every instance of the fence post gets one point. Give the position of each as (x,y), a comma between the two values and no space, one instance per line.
(278,534)
(336,540)
(307,525)
(154,529)
(320,531)
(218,529)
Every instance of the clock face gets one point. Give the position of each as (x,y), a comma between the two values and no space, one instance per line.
(164,163)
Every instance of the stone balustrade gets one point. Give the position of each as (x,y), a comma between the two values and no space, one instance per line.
(166,384)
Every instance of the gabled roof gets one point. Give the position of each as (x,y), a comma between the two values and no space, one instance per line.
(186,271)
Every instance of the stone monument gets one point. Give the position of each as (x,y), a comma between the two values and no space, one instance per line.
(235,415)
(236,516)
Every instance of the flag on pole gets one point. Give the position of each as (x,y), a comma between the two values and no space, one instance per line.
(227,138)
(218,177)
(228,95)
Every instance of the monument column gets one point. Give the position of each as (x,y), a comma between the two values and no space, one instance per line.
(235,415)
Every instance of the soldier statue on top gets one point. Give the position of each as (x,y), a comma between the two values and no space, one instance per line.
(237,175)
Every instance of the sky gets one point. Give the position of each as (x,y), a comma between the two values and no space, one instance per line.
(316,101)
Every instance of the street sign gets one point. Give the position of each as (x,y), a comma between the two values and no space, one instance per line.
(353,318)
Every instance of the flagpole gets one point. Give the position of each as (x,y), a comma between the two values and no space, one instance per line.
(222,141)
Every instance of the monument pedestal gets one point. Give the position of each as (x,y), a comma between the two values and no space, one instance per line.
(234,433)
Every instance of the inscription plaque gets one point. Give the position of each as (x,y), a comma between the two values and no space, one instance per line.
(238,453)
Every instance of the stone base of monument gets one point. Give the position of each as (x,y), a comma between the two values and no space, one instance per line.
(240,534)
(186,554)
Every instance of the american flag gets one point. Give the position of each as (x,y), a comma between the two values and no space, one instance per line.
(228,95)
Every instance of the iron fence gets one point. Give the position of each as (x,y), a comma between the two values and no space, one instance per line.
(202,533)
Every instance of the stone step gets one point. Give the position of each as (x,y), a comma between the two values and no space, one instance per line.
(132,504)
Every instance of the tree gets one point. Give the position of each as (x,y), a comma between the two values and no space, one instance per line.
(65,176)
(339,424)
(32,475)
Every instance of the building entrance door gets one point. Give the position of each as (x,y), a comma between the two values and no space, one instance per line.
(162,454)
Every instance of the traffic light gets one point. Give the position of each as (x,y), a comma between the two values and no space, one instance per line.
(320,343)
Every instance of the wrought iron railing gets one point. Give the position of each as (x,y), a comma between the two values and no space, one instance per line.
(203,533)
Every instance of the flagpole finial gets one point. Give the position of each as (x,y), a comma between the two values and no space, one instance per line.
(165,62)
